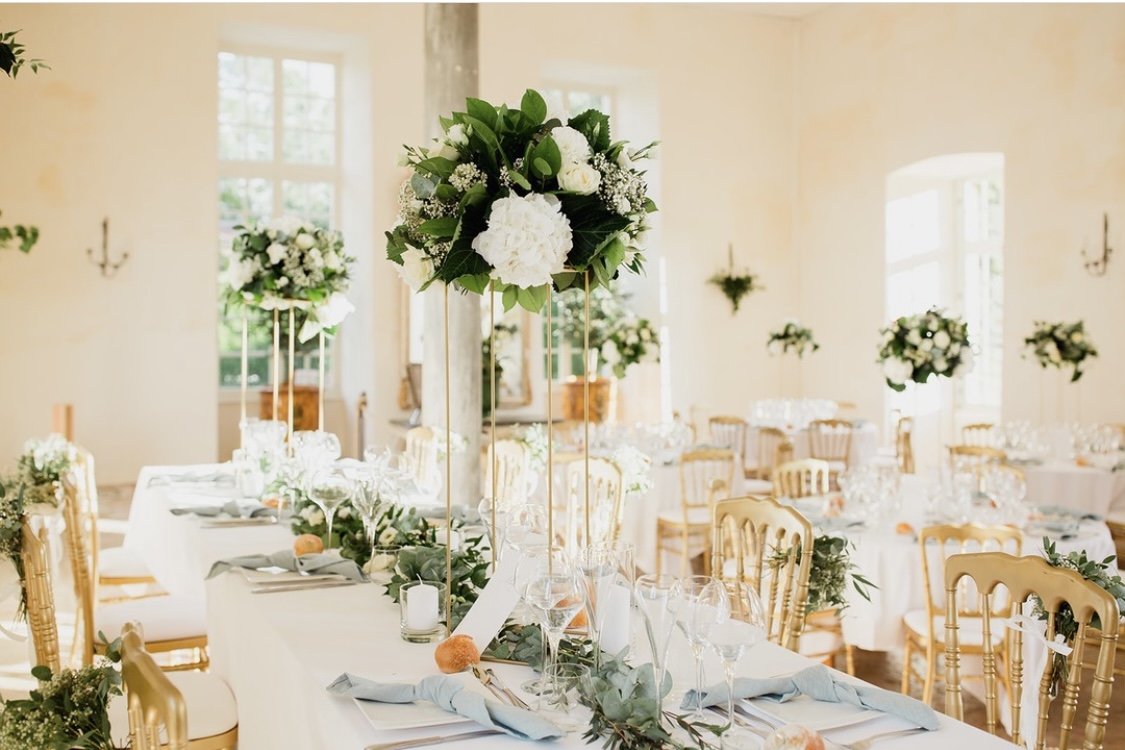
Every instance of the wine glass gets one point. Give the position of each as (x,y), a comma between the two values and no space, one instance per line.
(315,449)
(555,597)
(330,489)
(526,526)
(488,510)
(658,597)
(701,607)
(731,636)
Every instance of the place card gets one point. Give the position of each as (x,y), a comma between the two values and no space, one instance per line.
(494,604)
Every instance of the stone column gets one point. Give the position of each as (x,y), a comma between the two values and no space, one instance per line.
(451,75)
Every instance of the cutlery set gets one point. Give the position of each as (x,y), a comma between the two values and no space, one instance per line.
(305,583)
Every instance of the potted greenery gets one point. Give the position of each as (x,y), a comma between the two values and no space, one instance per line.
(734,286)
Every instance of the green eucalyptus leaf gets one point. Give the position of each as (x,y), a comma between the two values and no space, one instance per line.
(533,107)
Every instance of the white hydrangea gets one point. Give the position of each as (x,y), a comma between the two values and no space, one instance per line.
(277,253)
(942,340)
(527,239)
(304,241)
(897,371)
(573,146)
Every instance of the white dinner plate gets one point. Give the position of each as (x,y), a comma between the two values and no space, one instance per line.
(811,713)
(384,716)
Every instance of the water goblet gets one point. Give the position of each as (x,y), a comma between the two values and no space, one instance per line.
(526,526)
(659,600)
(700,609)
(330,489)
(731,636)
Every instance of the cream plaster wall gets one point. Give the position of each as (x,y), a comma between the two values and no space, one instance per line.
(123,126)
(883,86)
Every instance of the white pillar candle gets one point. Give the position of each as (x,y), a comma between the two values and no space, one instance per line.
(422,607)
(445,536)
(618,620)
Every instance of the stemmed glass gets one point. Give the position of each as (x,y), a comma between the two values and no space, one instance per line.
(526,526)
(330,489)
(743,625)
(701,607)
(658,597)
(555,597)
(315,449)
(597,566)
(486,508)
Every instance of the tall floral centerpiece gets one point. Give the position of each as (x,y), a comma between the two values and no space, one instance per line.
(290,265)
(916,347)
(1060,345)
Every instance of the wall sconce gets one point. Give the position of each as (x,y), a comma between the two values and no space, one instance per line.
(1097,266)
(107,268)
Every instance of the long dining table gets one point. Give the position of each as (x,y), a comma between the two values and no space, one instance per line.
(279,651)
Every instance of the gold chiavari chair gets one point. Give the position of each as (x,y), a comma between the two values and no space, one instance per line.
(730,432)
(924,632)
(769,546)
(176,623)
(39,596)
(158,704)
(904,447)
(975,460)
(831,440)
(606,493)
(1022,579)
(766,443)
(978,434)
(705,476)
(421,453)
(794,479)
(512,472)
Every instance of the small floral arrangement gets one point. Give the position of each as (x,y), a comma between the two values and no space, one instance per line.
(512,197)
(918,346)
(793,336)
(829,573)
(535,438)
(635,467)
(735,286)
(69,710)
(289,261)
(621,338)
(1058,344)
(633,340)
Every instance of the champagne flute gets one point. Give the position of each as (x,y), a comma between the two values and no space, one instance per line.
(486,508)
(330,489)
(597,566)
(555,597)
(659,600)
(701,607)
(731,636)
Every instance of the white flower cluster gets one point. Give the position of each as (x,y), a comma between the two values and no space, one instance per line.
(527,239)
(535,438)
(792,336)
(634,466)
(50,455)
(915,347)
(1059,344)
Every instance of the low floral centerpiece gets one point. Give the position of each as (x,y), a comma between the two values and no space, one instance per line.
(291,262)
(511,197)
(619,336)
(917,346)
(792,336)
(1060,344)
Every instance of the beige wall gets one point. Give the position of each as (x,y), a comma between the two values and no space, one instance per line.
(124,126)
(883,86)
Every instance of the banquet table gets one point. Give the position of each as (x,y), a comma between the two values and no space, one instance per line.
(1087,488)
(279,651)
(864,444)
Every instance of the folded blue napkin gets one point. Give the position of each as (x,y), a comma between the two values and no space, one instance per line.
(231,508)
(450,694)
(820,684)
(311,564)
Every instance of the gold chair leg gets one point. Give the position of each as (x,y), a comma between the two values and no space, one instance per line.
(931,670)
(849,657)
(907,653)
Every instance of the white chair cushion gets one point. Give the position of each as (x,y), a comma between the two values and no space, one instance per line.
(165,618)
(696,516)
(211,708)
(118,562)
(970,630)
(757,487)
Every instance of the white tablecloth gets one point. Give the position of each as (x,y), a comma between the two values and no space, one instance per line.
(864,445)
(279,651)
(1084,488)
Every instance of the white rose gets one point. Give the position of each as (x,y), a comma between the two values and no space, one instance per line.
(283,281)
(316,518)
(931,322)
(942,340)
(623,159)
(940,365)
(313,258)
(333,310)
(579,178)
(344,512)
(457,135)
(966,363)
(913,337)
(646,334)
(926,345)
(387,536)
(954,349)
(240,273)
(276,253)
(417,268)
(573,146)
(444,151)
(527,239)
(897,371)
(610,353)
(332,260)
(305,241)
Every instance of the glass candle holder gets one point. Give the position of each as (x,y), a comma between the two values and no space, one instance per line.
(382,563)
(422,611)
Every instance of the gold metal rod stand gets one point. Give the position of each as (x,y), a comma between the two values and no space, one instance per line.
(550,439)
(586,403)
(276,364)
(492,411)
(242,382)
(448,479)
(292,371)
(320,391)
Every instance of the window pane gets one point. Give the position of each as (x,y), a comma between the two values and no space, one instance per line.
(294,76)
(245,107)
(982,210)
(913,290)
(322,80)
(984,312)
(312,201)
(913,225)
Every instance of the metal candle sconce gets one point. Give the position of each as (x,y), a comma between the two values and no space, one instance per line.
(107,268)
(1097,266)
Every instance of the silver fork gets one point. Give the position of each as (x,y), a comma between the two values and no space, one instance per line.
(867,742)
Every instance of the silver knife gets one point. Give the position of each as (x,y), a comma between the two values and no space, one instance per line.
(435,740)
(303,586)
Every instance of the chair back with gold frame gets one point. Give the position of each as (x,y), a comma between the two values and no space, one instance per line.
(39,595)
(978,434)
(513,471)
(421,452)
(767,443)
(77,548)
(904,447)
(1024,578)
(155,704)
(698,471)
(606,492)
(769,546)
(937,544)
(706,475)
(730,432)
(803,478)
(831,440)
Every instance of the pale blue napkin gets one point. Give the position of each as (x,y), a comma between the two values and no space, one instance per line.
(450,694)
(311,564)
(818,683)
(231,508)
